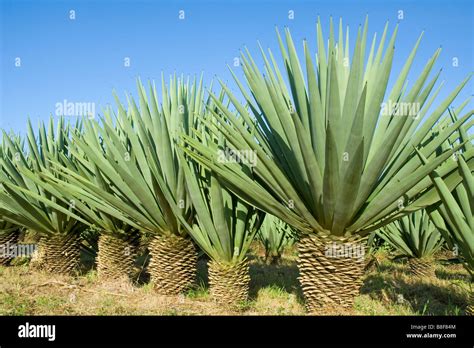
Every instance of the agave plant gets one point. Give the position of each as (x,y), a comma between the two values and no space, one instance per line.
(275,236)
(335,159)
(224,228)
(81,184)
(415,237)
(22,201)
(133,154)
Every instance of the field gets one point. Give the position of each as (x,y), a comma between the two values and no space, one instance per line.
(388,289)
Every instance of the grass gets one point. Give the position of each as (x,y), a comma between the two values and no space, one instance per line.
(388,289)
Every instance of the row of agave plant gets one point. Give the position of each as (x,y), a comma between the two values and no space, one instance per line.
(331,166)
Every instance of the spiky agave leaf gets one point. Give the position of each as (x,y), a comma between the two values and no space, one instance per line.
(454,216)
(7,153)
(9,232)
(462,137)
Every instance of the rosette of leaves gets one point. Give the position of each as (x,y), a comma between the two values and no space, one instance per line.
(414,236)
(25,203)
(275,235)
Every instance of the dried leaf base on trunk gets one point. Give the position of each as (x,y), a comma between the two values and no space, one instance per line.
(59,254)
(421,267)
(116,256)
(173,264)
(331,271)
(229,284)
(470,305)
(7,240)
(272,259)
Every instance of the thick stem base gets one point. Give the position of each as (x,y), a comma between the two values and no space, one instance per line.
(229,284)
(330,271)
(173,264)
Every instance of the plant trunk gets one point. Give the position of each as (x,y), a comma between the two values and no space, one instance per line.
(59,254)
(7,240)
(470,304)
(272,258)
(331,271)
(116,256)
(173,264)
(229,284)
(421,267)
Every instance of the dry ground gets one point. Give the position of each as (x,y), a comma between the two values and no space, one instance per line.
(387,290)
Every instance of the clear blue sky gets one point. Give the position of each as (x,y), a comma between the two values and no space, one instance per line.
(82,60)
